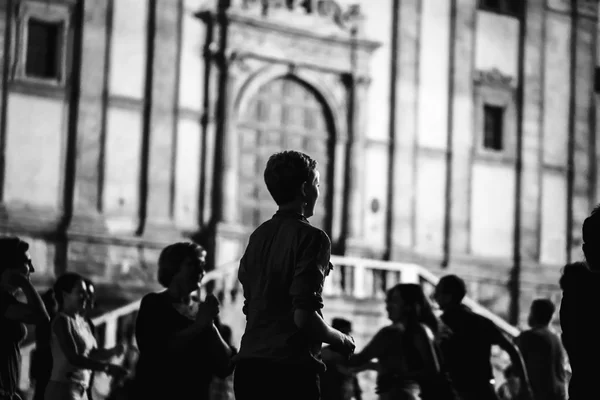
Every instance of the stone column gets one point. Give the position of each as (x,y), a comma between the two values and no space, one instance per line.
(532,131)
(162,119)
(461,110)
(355,164)
(586,29)
(91,123)
(405,128)
(230,206)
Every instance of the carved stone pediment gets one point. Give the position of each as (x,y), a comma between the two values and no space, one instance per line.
(319,33)
(494,78)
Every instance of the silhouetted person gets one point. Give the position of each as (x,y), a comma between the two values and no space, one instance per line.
(15,270)
(543,353)
(75,353)
(580,314)
(180,348)
(282,272)
(41,357)
(409,362)
(468,349)
(339,382)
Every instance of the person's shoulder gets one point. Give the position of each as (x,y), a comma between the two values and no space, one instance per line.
(152,300)
(315,233)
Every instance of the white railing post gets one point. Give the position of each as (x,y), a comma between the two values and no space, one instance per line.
(409,274)
(110,338)
(359,280)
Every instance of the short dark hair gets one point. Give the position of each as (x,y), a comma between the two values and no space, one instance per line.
(12,250)
(65,283)
(454,286)
(542,310)
(171,258)
(286,172)
(590,231)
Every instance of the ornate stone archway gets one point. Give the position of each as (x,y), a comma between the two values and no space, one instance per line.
(285,113)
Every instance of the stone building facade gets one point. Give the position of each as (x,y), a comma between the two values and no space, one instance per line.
(459,134)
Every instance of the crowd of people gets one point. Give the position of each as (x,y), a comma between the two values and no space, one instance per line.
(185,352)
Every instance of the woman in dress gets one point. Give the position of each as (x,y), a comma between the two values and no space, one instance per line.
(75,353)
(180,347)
(15,270)
(409,363)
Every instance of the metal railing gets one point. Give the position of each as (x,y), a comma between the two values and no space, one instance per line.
(362,278)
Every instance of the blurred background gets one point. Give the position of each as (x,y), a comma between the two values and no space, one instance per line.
(453,136)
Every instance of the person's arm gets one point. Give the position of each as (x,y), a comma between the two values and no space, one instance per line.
(221,353)
(374,349)
(246,289)
(107,354)
(65,336)
(33,312)
(306,288)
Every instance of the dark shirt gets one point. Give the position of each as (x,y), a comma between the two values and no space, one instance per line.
(580,324)
(467,352)
(164,374)
(11,335)
(544,361)
(282,270)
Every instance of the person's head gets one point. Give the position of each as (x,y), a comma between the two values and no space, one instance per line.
(70,291)
(450,291)
(407,303)
(181,267)
(293,180)
(591,239)
(342,325)
(14,259)
(91,295)
(541,312)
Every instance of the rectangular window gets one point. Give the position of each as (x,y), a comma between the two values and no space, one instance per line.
(493,127)
(510,7)
(44,49)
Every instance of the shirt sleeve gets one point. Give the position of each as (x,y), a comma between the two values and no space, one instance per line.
(311,267)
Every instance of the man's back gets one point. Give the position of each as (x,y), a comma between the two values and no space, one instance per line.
(579,310)
(468,350)
(283,269)
(544,360)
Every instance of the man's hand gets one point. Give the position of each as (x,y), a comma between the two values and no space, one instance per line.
(17,279)
(207,311)
(345,347)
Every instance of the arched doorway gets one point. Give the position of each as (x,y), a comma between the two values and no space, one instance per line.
(285,114)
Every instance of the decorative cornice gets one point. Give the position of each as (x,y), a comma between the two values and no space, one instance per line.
(493,78)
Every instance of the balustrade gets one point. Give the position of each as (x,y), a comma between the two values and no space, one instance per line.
(354,277)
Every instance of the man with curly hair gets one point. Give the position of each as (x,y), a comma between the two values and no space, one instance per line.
(282,273)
